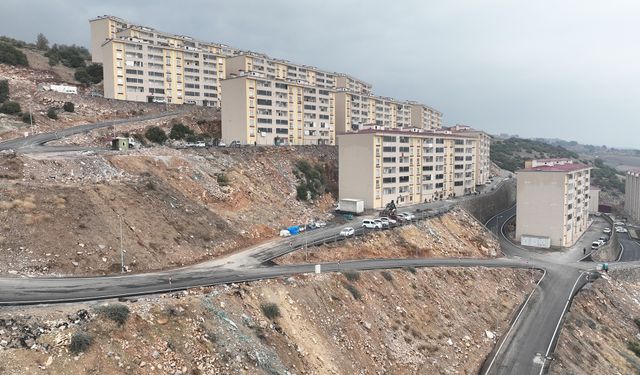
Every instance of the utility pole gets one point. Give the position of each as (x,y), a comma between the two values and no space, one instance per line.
(121,248)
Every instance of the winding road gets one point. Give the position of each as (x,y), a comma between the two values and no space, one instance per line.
(526,348)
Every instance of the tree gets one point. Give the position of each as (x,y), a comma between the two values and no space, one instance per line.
(52,113)
(95,72)
(42,43)
(4,90)
(82,76)
(10,108)
(69,107)
(156,134)
(12,56)
(179,131)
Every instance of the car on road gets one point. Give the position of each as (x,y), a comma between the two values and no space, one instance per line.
(222,144)
(388,221)
(382,224)
(621,230)
(603,239)
(371,224)
(619,224)
(321,224)
(347,232)
(595,245)
(407,216)
(606,230)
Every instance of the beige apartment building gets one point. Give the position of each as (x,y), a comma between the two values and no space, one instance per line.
(632,194)
(146,65)
(264,111)
(483,151)
(552,202)
(407,166)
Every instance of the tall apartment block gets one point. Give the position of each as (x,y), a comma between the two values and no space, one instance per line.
(632,194)
(407,166)
(266,111)
(552,202)
(143,64)
(483,151)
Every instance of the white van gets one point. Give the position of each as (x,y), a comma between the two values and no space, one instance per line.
(371,224)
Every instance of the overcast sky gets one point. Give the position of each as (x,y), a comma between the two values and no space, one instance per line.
(565,69)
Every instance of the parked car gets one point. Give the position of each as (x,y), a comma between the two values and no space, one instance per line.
(320,224)
(621,230)
(235,144)
(347,232)
(619,224)
(389,222)
(606,230)
(222,144)
(371,224)
(382,224)
(407,215)
(604,238)
(595,245)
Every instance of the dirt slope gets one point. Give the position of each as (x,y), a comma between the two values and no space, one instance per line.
(600,328)
(430,322)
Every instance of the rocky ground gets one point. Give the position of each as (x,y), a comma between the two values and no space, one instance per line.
(454,234)
(61,213)
(431,321)
(602,328)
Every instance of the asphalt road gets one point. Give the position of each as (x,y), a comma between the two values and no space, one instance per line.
(630,248)
(34,143)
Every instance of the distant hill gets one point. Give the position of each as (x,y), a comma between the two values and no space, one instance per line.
(511,153)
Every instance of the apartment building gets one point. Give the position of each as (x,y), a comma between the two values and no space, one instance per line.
(425,117)
(143,64)
(552,202)
(408,166)
(632,194)
(483,151)
(266,111)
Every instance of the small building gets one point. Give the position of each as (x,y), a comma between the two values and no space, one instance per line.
(120,144)
(594,199)
(64,89)
(552,206)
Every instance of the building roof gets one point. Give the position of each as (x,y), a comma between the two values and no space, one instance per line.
(552,160)
(556,168)
(412,133)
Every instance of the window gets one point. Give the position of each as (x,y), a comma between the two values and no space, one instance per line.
(404,179)
(404,149)
(457,183)
(264,121)
(388,160)
(265,130)
(388,180)
(264,102)
(389,149)
(388,138)
(264,92)
(404,169)
(282,131)
(404,139)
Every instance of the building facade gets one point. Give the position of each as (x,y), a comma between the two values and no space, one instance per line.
(407,166)
(264,111)
(552,202)
(632,194)
(146,65)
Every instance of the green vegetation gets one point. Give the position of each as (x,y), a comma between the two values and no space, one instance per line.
(607,178)
(70,56)
(117,312)
(10,108)
(270,310)
(69,107)
(4,90)
(352,276)
(52,113)
(11,55)
(634,346)
(42,43)
(27,118)
(93,73)
(156,134)
(510,154)
(353,290)
(411,269)
(80,342)
(637,322)
(312,179)
(223,180)
(180,131)
(387,275)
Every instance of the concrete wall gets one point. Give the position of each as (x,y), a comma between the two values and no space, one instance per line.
(356,171)
(485,206)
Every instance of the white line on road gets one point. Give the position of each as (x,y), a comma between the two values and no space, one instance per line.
(621,251)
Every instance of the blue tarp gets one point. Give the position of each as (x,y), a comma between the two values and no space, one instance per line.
(294,230)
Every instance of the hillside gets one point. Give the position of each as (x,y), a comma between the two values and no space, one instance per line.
(431,321)
(510,154)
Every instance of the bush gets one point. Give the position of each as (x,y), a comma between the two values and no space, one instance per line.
(42,43)
(27,118)
(117,312)
(411,269)
(637,322)
(387,275)
(96,73)
(80,342)
(302,194)
(10,108)
(223,180)
(4,90)
(352,276)
(52,113)
(270,310)
(69,107)
(353,290)
(156,134)
(634,346)
(12,56)
(179,131)
(71,56)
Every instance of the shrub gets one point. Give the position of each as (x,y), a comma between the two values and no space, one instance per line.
(80,342)
(411,269)
(52,113)
(634,346)
(69,107)
(387,275)
(302,194)
(156,134)
(4,90)
(223,180)
(96,73)
(71,56)
(27,118)
(637,322)
(353,290)
(42,43)
(270,310)
(180,131)
(352,276)
(12,56)
(10,108)
(82,76)
(117,312)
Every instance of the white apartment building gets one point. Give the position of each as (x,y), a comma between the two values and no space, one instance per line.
(407,166)
(483,151)
(552,202)
(632,194)
(264,111)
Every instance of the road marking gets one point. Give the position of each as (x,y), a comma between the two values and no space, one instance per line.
(504,338)
(498,214)
(560,321)
(621,251)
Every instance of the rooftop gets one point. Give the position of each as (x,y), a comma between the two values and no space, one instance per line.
(556,168)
